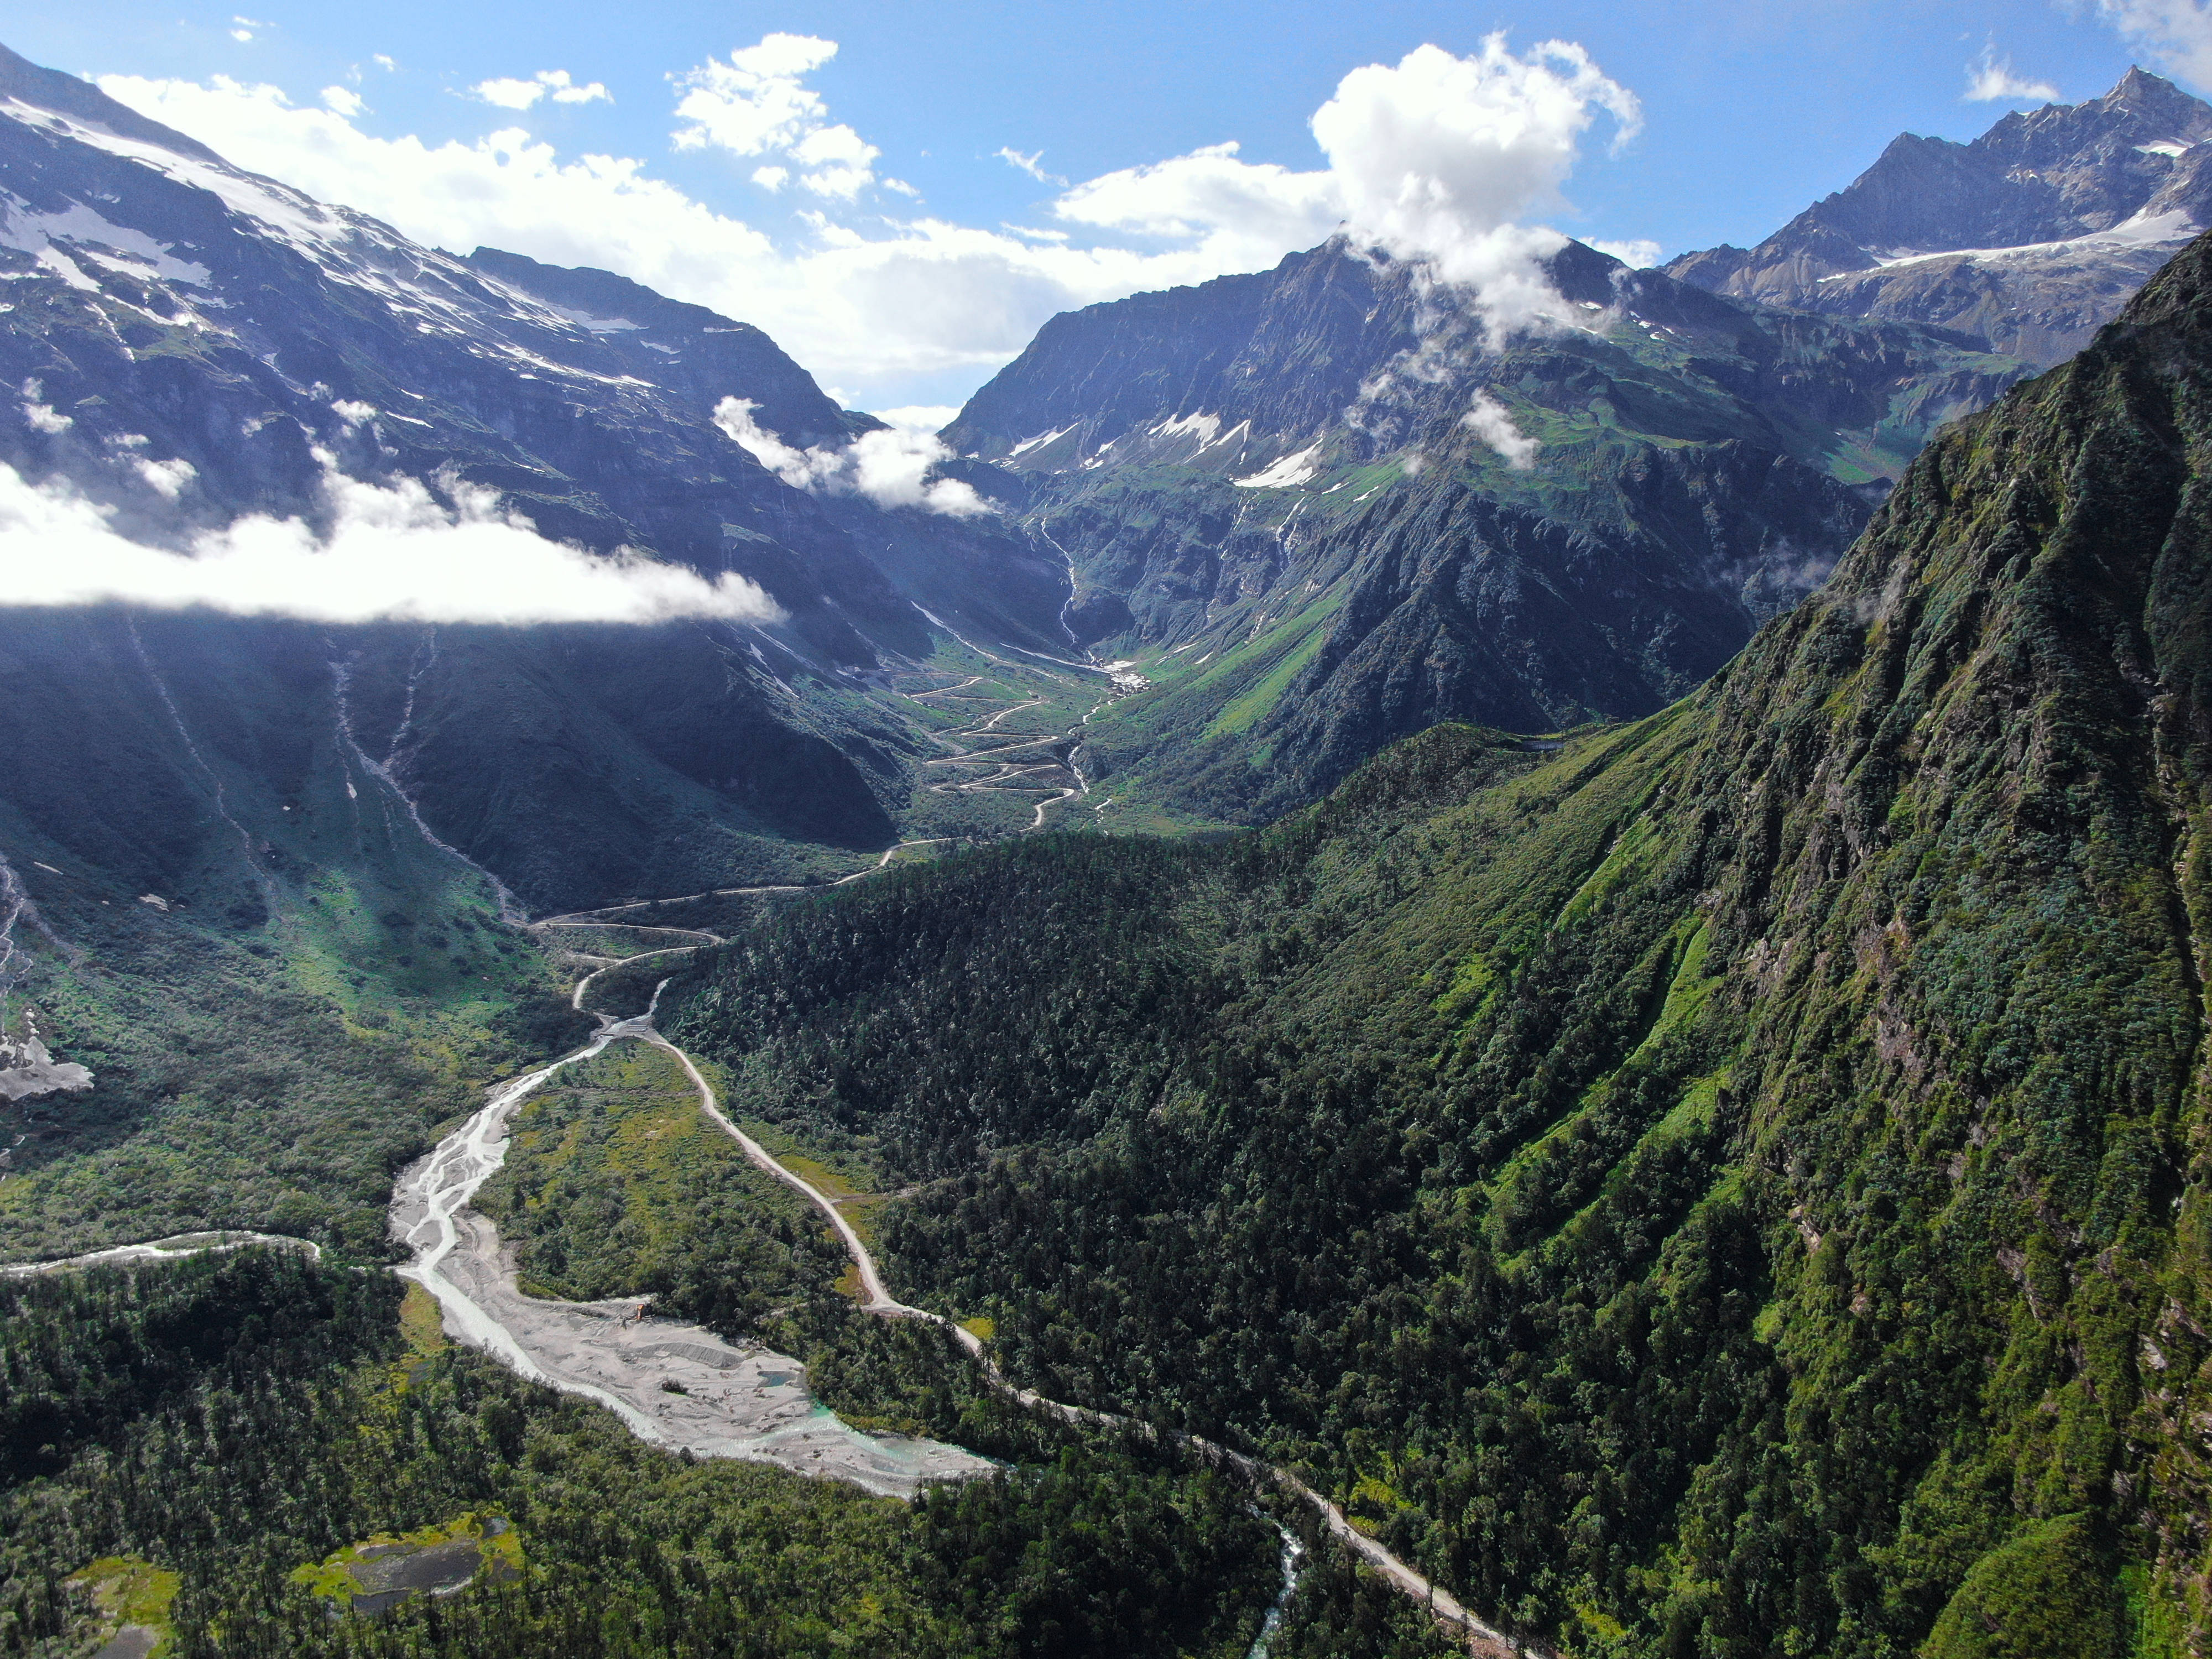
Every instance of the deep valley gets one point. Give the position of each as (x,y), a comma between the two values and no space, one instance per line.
(1330,979)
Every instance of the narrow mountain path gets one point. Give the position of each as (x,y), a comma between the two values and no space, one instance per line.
(599,917)
(1040,784)
(1041,781)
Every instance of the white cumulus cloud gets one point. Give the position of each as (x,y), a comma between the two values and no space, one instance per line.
(1436,157)
(1440,157)
(757,104)
(1210,193)
(387,552)
(890,466)
(1640,252)
(509,92)
(1492,422)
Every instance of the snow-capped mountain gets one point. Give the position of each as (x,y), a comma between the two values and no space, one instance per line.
(2029,238)
(185,345)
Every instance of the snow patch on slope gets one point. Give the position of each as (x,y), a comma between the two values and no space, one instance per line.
(1204,426)
(1287,473)
(34,232)
(2142,230)
(1039,441)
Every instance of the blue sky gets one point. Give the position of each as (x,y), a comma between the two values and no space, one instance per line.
(1748,111)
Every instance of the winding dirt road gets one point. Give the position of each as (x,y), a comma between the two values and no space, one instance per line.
(876,1298)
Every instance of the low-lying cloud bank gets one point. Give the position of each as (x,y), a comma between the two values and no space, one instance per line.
(891,466)
(391,552)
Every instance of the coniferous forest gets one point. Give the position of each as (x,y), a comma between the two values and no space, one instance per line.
(230,1417)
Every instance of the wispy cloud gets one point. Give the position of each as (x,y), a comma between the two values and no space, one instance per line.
(1032,164)
(1991,79)
(2176,33)
(507,93)
(890,467)
(1492,422)
(384,552)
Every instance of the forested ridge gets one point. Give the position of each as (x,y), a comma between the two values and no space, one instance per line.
(1731,1187)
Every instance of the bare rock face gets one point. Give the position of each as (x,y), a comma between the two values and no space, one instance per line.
(27,1069)
(2029,239)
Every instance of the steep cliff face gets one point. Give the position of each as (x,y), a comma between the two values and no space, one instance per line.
(1324,507)
(2029,238)
(1736,1185)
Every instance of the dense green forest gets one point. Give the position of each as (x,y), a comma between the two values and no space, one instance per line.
(1729,1187)
(230,1419)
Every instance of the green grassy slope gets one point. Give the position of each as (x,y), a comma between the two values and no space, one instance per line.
(1732,1186)
(279,983)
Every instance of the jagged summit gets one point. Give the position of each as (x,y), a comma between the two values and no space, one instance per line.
(2029,238)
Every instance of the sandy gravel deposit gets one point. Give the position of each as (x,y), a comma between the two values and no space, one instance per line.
(728,1401)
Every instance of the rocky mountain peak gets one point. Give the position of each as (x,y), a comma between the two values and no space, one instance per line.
(2029,238)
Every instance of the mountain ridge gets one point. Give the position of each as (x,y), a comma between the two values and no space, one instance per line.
(1285,479)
